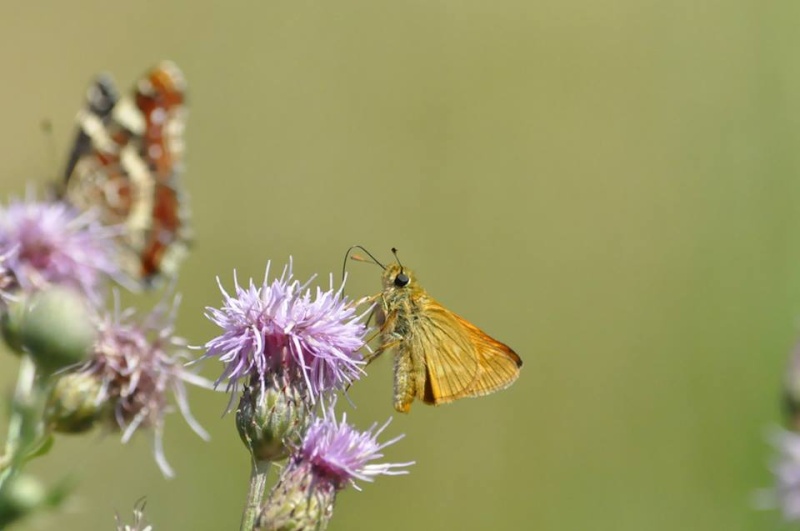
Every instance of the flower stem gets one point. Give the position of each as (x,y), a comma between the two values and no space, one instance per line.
(23,396)
(258,483)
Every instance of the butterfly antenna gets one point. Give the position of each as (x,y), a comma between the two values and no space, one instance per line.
(359,258)
(394,252)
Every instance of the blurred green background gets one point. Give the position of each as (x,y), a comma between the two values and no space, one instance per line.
(610,188)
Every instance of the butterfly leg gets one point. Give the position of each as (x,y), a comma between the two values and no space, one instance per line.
(383,348)
(389,338)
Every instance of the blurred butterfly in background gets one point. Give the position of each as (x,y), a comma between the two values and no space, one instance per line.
(126,163)
(439,356)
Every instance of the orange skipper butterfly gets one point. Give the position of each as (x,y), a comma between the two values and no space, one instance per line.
(439,356)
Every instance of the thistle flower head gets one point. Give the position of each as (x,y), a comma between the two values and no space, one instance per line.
(278,327)
(46,243)
(332,456)
(340,454)
(137,369)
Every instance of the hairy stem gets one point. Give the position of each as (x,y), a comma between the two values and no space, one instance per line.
(258,483)
(23,396)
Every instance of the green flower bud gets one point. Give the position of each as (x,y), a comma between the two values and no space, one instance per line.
(21,495)
(11,322)
(298,502)
(72,406)
(272,420)
(57,328)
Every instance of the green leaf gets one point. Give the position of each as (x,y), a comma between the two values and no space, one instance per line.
(43,448)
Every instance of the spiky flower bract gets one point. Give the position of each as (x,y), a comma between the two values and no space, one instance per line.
(6,276)
(332,456)
(46,243)
(273,419)
(278,327)
(138,365)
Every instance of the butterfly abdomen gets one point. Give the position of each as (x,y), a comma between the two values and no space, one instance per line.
(399,332)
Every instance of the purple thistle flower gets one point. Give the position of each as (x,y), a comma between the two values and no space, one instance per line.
(133,363)
(332,456)
(340,454)
(278,328)
(50,243)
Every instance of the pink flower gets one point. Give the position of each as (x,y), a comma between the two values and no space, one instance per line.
(279,327)
(46,243)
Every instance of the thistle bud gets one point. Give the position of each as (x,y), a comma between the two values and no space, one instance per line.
(11,323)
(298,502)
(73,405)
(273,419)
(54,326)
(21,495)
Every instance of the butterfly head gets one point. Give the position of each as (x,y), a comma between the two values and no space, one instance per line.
(397,277)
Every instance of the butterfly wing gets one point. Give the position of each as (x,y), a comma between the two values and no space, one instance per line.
(449,360)
(460,359)
(101,98)
(125,164)
(160,97)
(498,364)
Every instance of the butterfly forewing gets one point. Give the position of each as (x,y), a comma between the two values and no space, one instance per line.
(450,360)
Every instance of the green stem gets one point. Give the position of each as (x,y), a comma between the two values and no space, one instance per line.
(23,396)
(258,483)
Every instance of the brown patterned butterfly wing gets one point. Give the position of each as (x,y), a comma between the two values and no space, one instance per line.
(161,99)
(126,164)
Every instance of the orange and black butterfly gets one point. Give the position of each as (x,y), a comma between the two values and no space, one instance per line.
(439,356)
(126,163)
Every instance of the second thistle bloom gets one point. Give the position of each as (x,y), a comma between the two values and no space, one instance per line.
(332,456)
(132,370)
(279,329)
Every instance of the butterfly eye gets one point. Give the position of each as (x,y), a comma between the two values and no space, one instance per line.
(401,280)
